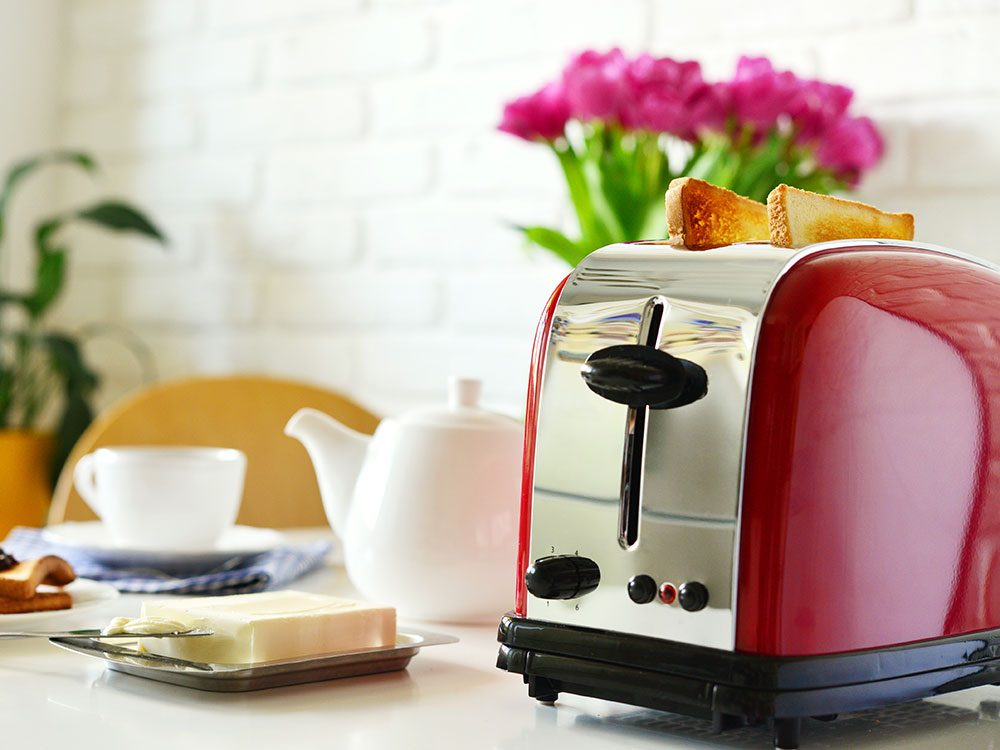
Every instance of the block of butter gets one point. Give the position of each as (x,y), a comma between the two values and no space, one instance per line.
(271,626)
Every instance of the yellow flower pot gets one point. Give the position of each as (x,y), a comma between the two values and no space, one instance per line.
(25,491)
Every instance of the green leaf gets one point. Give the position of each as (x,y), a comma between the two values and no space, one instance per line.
(50,275)
(12,298)
(818,181)
(6,395)
(78,383)
(603,152)
(121,217)
(44,232)
(50,269)
(759,173)
(67,361)
(707,164)
(22,169)
(654,226)
(557,242)
(593,230)
(620,176)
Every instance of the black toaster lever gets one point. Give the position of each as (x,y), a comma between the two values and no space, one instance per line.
(639,375)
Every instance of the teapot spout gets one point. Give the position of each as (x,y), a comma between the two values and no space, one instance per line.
(337,453)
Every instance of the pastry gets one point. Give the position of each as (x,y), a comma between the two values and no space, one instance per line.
(19,582)
(39,602)
(21,579)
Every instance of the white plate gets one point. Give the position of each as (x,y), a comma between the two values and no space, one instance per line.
(91,538)
(85,593)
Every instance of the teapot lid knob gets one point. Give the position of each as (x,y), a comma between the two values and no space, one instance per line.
(463,393)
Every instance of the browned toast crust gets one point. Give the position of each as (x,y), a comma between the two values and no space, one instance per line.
(20,581)
(701,215)
(777,218)
(37,603)
(797,218)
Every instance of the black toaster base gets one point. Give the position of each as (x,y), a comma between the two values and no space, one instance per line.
(732,689)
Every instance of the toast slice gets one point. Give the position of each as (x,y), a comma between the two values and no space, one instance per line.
(20,581)
(37,603)
(701,215)
(797,218)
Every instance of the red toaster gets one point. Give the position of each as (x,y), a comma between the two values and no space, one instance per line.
(762,485)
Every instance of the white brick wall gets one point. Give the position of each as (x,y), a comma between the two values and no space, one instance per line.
(383,299)
(351,46)
(340,205)
(327,174)
(306,113)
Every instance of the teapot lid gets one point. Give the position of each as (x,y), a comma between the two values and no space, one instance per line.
(463,410)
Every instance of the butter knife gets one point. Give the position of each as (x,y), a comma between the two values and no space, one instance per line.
(96,634)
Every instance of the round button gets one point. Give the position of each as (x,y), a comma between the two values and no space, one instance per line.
(668,593)
(641,589)
(693,596)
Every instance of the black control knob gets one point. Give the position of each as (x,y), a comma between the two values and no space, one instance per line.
(642,589)
(638,375)
(562,577)
(693,596)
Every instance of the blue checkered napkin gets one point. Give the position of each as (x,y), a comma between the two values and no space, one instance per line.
(238,575)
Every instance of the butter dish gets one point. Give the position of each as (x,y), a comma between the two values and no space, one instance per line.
(245,677)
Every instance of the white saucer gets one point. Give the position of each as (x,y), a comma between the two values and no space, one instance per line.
(91,538)
(85,593)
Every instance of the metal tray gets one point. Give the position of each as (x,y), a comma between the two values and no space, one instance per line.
(234,678)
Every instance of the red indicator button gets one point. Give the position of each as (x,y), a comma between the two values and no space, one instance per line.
(668,593)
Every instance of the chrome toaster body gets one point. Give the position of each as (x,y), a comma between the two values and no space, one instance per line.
(700,306)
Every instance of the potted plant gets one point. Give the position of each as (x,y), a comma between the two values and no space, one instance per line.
(623,128)
(41,368)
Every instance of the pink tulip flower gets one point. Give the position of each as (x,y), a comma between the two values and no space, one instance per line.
(538,116)
(670,96)
(851,146)
(596,85)
(816,107)
(759,94)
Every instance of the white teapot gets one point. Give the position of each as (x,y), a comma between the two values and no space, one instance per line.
(427,507)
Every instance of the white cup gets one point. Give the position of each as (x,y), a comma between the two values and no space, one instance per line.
(163,497)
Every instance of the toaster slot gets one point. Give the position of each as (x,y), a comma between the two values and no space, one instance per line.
(635,439)
(631,494)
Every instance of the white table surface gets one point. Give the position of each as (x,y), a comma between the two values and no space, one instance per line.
(451,696)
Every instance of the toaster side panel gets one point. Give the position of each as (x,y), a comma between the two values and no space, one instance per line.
(870,511)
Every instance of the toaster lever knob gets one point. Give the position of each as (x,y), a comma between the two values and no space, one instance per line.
(562,577)
(638,375)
